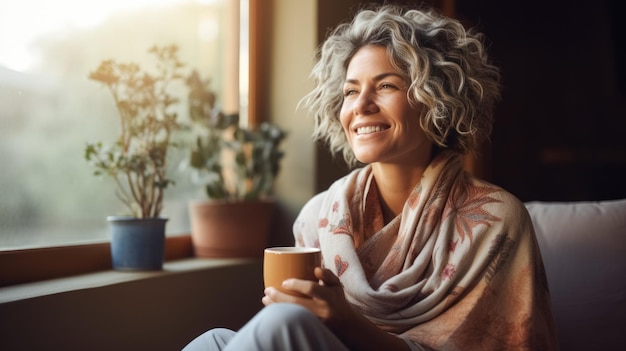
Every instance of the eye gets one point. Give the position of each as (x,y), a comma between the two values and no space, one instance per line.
(348,92)
(387,86)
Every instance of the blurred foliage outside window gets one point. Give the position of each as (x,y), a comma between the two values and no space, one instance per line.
(49,109)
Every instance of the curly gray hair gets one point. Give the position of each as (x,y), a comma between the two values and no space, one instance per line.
(448,69)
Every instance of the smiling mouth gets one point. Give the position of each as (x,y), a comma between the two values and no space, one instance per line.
(369,130)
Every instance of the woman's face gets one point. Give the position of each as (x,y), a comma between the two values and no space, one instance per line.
(380,124)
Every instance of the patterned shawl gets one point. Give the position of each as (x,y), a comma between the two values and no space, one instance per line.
(458,269)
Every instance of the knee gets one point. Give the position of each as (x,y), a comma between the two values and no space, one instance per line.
(214,339)
(279,326)
(287,314)
(220,336)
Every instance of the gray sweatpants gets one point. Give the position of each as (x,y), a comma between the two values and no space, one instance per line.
(277,327)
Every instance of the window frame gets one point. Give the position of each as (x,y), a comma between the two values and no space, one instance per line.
(21,266)
(30,265)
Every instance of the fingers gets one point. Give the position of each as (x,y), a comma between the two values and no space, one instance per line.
(266,300)
(325,298)
(327,277)
(300,287)
(327,287)
(273,295)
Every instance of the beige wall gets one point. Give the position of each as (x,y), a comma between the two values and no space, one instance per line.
(293,43)
(293,38)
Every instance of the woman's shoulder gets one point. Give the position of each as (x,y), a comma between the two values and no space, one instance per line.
(313,205)
(306,223)
(502,199)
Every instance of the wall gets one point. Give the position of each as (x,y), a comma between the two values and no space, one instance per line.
(560,127)
(290,41)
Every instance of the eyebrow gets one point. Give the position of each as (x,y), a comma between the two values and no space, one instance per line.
(377,77)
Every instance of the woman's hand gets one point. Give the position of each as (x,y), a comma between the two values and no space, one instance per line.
(325,298)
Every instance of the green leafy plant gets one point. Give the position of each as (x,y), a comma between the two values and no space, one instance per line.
(138,160)
(231,162)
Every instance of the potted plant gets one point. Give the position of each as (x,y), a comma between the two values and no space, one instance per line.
(137,161)
(237,167)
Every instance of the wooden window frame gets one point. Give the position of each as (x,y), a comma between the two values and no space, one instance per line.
(37,264)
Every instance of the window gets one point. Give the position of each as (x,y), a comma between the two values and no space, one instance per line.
(49,109)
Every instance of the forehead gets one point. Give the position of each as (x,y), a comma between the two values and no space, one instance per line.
(370,59)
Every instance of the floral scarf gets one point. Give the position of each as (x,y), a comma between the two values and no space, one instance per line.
(458,269)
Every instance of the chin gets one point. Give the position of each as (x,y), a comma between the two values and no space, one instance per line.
(366,159)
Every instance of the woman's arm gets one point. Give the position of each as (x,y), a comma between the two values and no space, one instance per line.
(328,302)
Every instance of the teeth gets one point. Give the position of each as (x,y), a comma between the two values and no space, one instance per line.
(368,129)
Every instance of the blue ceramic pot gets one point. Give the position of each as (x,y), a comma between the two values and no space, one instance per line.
(137,244)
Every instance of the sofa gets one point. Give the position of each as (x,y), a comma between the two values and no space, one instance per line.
(583,245)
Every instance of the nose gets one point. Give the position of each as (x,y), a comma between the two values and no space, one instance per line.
(365,104)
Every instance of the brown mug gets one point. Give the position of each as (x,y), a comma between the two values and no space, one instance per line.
(281,263)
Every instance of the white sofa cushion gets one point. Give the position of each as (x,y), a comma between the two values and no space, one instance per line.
(583,245)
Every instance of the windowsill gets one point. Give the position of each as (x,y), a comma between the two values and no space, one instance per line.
(112,277)
(41,264)
(118,310)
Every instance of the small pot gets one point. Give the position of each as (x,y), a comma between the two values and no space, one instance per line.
(137,244)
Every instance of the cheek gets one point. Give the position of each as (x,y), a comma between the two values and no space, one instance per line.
(412,118)
(345,117)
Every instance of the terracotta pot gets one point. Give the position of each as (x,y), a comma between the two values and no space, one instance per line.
(230,229)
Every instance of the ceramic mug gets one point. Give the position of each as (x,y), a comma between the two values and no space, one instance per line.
(281,263)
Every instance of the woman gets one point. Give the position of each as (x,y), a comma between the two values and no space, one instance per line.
(417,254)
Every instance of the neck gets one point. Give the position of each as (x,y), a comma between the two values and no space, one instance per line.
(395,183)
(396,180)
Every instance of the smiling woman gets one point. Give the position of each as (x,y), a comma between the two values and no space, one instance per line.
(50,109)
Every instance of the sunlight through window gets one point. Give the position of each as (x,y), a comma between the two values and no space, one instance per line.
(49,109)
